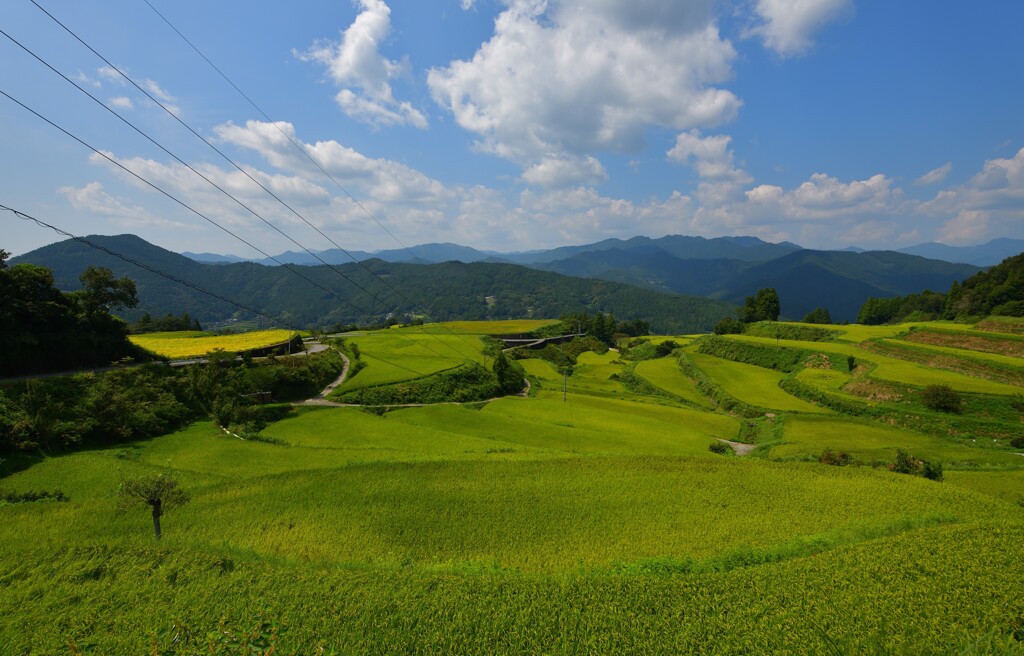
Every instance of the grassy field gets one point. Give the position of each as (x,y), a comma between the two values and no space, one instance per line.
(600,523)
(753,385)
(193,344)
(664,374)
(868,442)
(490,327)
(403,354)
(897,370)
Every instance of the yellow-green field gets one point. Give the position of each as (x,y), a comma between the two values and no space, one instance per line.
(753,385)
(896,370)
(191,344)
(598,522)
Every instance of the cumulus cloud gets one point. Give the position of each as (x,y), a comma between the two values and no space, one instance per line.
(567,78)
(355,64)
(935,176)
(788,26)
(563,171)
(380,179)
(121,102)
(975,210)
(92,198)
(709,156)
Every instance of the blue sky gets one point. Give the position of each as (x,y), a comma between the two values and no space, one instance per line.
(520,124)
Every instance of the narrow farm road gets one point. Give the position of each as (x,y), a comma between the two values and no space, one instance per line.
(739,448)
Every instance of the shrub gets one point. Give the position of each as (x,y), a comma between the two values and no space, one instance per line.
(721,448)
(835,458)
(942,398)
(1017,442)
(932,471)
(728,326)
(906,463)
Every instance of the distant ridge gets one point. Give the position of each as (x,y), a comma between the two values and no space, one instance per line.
(983,255)
(450,290)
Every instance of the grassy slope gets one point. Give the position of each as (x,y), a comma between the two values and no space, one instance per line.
(751,384)
(599,524)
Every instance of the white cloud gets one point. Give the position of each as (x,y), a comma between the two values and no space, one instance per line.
(935,176)
(788,26)
(966,228)
(467,4)
(563,171)
(709,156)
(980,208)
(121,102)
(379,179)
(356,63)
(571,77)
(92,198)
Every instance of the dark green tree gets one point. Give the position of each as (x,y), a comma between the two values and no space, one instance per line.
(764,306)
(160,492)
(509,374)
(103,293)
(818,315)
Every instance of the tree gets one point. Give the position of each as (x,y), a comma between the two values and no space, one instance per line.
(103,293)
(161,492)
(818,315)
(510,376)
(762,307)
(3,258)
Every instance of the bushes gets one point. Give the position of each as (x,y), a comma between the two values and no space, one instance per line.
(471,382)
(835,458)
(908,464)
(942,398)
(768,357)
(721,448)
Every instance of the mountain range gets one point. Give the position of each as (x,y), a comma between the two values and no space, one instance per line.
(747,249)
(368,292)
(662,272)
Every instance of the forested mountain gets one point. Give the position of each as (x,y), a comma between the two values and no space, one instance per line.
(446,291)
(841,281)
(838,280)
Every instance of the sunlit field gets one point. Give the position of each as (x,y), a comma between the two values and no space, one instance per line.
(192,344)
(598,521)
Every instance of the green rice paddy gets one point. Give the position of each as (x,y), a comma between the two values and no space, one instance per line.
(597,522)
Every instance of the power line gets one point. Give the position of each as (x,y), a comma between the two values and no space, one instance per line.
(246,173)
(178,159)
(176,200)
(26,217)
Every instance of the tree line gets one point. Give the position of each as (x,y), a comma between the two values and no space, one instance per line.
(998,290)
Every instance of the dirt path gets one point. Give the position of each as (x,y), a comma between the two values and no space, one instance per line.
(739,448)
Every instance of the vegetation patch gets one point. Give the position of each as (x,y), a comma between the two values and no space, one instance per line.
(791,331)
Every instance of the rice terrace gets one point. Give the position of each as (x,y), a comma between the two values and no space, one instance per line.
(600,518)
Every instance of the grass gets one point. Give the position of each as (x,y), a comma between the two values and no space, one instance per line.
(511,327)
(398,355)
(751,384)
(664,373)
(897,370)
(194,344)
(870,442)
(597,524)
